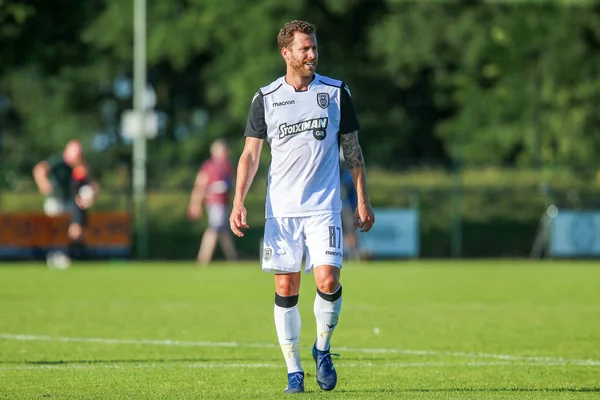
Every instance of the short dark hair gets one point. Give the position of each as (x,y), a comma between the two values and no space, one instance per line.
(286,34)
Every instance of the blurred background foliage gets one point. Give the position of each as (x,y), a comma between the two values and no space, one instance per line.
(488,82)
(439,86)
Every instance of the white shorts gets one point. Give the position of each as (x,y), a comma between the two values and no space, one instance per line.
(217,216)
(286,240)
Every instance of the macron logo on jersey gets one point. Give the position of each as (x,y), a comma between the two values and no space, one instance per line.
(316,124)
(283,103)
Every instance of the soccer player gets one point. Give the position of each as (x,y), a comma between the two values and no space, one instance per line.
(64,179)
(212,187)
(304,117)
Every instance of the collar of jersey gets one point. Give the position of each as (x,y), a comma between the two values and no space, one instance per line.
(310,85)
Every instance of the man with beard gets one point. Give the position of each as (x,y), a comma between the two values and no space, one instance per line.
(304,117)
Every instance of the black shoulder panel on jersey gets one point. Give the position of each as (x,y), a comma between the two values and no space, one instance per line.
(274,90)
(349,120)
(256,125)
(329,84)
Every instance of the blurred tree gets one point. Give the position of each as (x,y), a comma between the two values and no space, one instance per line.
(42,71)
(503,82)
(215,55)
(513,82)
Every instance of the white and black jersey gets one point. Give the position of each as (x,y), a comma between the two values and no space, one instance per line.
(302,129)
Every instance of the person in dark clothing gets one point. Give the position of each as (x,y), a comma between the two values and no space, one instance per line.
(65,181)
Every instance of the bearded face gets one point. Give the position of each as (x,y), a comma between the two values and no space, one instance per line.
(302,55)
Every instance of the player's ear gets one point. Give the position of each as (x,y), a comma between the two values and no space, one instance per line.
(284,52)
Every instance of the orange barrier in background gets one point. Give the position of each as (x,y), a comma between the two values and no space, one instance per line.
(104,230)
(108,229)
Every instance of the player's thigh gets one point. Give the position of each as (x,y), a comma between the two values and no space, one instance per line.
(324,240)
(282,245)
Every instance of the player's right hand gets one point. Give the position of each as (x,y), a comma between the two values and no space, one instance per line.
(237,220)
(194,211)
(364,218)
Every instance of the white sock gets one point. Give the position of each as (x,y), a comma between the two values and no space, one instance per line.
(327,311)
(288,325)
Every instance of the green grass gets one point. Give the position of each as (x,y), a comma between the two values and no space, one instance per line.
(422,330)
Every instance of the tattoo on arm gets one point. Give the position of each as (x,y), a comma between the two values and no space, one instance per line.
(352,150)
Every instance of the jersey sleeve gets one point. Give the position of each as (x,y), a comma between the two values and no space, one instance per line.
(348,120)
(256,125)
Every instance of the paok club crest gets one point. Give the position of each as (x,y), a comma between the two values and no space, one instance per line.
(267,254)
(323,100)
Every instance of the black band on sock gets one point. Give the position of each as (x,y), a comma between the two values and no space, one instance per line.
(286,301)
(331,296)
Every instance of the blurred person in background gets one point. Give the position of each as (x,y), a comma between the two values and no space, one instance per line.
(211,190)
(304,117)
(64,179)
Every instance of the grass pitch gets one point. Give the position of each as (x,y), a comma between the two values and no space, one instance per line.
(422,330)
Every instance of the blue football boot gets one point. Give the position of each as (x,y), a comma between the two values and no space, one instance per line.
(326,375)
(295,383)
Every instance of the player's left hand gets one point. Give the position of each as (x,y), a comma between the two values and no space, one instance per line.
(237,219)
(364,218)
(85,197)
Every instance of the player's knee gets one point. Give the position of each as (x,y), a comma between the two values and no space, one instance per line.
(327,278)
(287,285)
(285,289)
(328,283)
(75,232)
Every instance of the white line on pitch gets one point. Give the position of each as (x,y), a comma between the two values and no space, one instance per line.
(169,342)
(541,359)
(160,342)
(259,365)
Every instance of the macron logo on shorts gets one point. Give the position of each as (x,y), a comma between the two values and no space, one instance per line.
(334,253)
